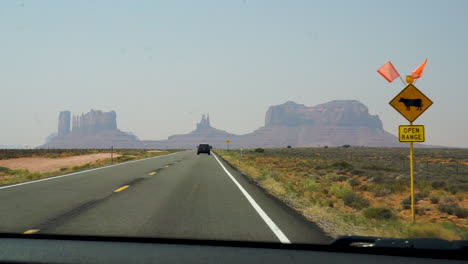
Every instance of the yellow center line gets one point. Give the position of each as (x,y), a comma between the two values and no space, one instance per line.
(153,173)
(31,231)
(122,188)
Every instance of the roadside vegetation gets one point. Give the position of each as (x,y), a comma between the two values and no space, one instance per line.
(365,191)
(11,176)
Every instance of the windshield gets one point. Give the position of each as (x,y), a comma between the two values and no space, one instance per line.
(242,120)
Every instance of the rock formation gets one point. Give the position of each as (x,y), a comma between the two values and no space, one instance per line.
(64,123)
(95,129)
(335,113)
(94,121)
(336,123)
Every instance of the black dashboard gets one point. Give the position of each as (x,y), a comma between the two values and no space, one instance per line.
(73,249)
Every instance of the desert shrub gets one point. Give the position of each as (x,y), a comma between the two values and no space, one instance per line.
(355,200)
(259,150)
(357,172)
(406,203)
(364,188)
(288,146)
(380,190)
(340,190)
(461,212)
(346,146)
(448,199)
(63,169)
(434,199)
(4,169)
(462,187)
(454,209)
(453,189)
(310,185)
(342,165)
(448,208)
(438,184)
(325,147)
(421,195)
(379,213)
(354,182)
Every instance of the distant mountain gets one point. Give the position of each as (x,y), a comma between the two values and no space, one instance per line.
(95,129)
(335,123)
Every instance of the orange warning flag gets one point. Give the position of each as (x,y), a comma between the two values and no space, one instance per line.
(418,72)
(388,71)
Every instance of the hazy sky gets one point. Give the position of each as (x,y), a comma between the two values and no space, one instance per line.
(162,64)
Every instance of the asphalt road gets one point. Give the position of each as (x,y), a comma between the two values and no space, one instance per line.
(181,195)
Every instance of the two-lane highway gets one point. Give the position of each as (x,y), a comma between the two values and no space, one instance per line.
(181,195)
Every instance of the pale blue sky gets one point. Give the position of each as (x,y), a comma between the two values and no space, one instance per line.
(161,64)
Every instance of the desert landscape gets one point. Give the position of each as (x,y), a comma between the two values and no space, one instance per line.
(365,191)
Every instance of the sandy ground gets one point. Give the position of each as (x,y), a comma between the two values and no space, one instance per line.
(154,151)
(52,164)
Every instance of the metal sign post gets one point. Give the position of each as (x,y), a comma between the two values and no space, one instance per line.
(413,202)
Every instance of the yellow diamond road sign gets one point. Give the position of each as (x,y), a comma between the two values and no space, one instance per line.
(411,102)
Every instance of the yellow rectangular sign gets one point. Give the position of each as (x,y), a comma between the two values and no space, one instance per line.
(411,133)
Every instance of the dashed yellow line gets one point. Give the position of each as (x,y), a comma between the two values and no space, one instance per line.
(122,188)
(153,173)
(31,231)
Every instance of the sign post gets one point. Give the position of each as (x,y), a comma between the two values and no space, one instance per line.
(413,202)
(227,143)
(411,103)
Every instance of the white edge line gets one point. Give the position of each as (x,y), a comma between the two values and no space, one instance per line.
(78,172)
(279,234)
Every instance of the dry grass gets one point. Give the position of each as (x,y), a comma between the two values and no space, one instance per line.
(12,175)
(334,191)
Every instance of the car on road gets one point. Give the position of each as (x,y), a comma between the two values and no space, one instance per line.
(204,148)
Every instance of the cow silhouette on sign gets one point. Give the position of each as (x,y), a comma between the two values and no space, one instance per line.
(411,102)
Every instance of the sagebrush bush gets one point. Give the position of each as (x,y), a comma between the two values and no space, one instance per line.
(421,195)
(448,208)
(448,199)
(379,213)
(434,199)
(406,203)
(259,150)
(380,190)
(461,212)
(355,201)
(438,184)
(339,190)
(454,209)
(342,165)
(354,182)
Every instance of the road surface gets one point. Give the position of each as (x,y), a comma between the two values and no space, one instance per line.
(181,195)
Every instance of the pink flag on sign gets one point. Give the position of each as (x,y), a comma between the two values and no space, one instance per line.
(418,72)
(388,71)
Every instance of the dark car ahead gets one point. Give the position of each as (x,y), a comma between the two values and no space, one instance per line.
(203,148)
